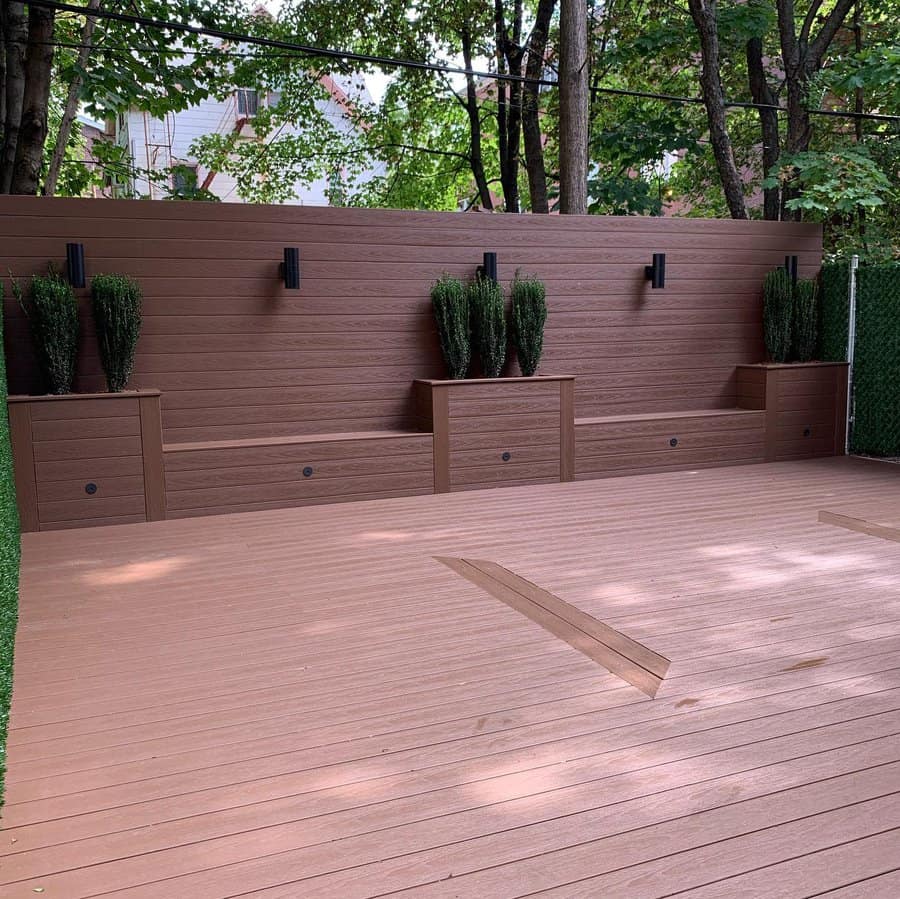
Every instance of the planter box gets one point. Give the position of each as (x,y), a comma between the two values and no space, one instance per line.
(805,405)
(87,459)
(493,432)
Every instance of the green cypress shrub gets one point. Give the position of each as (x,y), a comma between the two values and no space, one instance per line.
(804,323)
(489,324)
(450,303)
(117,319)
(52,313)
(777,314)
(529,313)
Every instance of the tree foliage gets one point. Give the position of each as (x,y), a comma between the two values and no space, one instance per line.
(528,312)
(116,304)
(52,313)
(450,304)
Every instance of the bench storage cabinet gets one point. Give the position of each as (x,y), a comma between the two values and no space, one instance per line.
(496,432)
(210,478)
(643,444)
(87,459)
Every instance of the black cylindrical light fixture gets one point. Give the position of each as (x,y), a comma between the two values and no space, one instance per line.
(489,269)
(791,266)
(75,264)
(656,273)
(291,268)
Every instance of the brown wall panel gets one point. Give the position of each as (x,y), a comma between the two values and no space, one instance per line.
(237,356)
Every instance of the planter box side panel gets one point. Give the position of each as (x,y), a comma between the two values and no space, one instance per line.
(805,406)
(88,459)
(504,433)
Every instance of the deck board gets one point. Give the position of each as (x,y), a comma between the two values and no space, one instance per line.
(305,703)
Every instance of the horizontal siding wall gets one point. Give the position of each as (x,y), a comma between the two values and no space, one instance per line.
(237,356)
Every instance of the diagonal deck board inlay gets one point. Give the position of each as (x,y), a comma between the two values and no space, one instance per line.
(632,661)
(876,520)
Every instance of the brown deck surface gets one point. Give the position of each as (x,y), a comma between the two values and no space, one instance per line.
(304,703)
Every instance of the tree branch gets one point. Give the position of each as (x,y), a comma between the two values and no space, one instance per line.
(811,14)
(820,44)
(417,149)
(71,107)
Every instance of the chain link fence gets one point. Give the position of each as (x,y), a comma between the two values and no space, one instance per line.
(876,376)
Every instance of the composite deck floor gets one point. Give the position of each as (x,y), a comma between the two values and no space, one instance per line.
(304,703)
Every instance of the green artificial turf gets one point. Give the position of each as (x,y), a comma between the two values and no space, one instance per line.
(9,563)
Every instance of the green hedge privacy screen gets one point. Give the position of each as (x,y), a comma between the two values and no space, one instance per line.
(9,565)
(876,377)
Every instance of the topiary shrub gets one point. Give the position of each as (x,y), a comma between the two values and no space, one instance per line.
(529,312)
(450,303)
(804,334)
(488,324)
(52,313)
(777,314)
(117,319)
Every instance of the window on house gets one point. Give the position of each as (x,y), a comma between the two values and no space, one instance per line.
(247,102)
(184,179)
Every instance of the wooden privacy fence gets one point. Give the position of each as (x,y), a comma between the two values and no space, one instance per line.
(273,397)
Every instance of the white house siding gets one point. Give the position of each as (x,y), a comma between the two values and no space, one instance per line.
(158,144)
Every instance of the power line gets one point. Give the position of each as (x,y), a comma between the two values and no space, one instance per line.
(391,62)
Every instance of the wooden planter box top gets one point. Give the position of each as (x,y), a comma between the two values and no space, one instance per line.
(789,365)
(462,382)
(53,397)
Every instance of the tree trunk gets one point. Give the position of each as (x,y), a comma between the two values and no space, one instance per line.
(71,108)
(514,58)
(4,7)
(574,103)
(33,128)
(476,161)
(803,56)
(502,105)
(859,105)
(533,137)
(509,102)
(16,40)
(768,120)
(704,14)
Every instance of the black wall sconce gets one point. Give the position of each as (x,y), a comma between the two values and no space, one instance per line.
(656,273)
(791,265)
(75,264)
(489,269)
(290,268)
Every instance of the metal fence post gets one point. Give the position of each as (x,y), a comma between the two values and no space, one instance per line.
(851,349)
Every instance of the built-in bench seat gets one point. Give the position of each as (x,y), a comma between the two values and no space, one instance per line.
(219,476)
(667,441)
